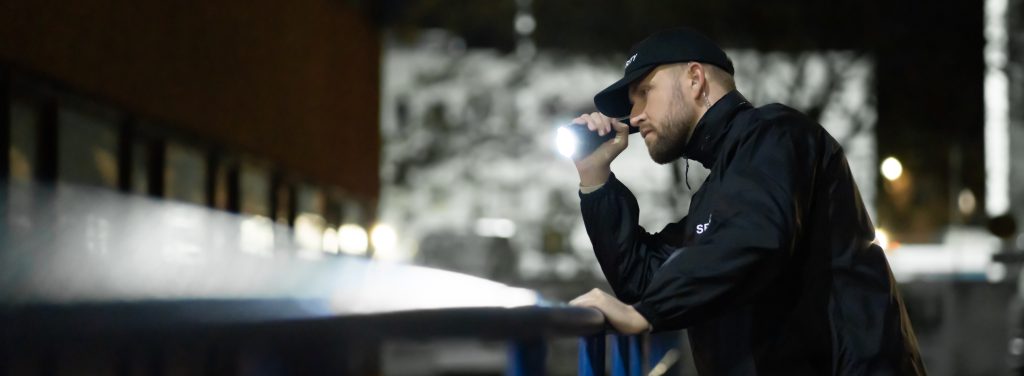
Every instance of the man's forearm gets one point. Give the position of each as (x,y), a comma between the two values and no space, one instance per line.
(610,217)
(594,175)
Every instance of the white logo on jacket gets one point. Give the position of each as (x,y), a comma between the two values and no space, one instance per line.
(630,61)
(704,227)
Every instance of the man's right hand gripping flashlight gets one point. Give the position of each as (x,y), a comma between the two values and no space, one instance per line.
(577,140)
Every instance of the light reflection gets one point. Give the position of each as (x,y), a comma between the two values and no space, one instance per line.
(385,242)
(421,288)
(97,234)
(353,240)
(257,236)
(882,239)
(182,239)
(330,240)
(170,250)
(309,229)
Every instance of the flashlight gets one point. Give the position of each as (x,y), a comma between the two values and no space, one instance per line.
(576,141)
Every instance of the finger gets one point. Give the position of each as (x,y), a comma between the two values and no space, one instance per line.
(589,298)
(606,122)
(620,126)
(603,124)
(579,299)
(583,301)
(591,305)
(589,121)
(594,123)
(621,132)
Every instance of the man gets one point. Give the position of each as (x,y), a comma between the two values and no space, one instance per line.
(773,270)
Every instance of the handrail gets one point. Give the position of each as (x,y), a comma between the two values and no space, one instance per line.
(56,292)
(39,323)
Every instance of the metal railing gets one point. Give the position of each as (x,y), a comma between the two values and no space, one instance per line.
(130,277)
(655,354)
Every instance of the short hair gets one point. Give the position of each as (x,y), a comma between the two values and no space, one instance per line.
(719,76)
(713,73)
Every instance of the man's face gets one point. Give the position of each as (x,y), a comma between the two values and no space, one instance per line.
(662,112)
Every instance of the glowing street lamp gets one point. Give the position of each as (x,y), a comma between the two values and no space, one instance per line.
(892,169)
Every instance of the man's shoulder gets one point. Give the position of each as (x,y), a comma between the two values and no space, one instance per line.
(782,116)
(780,123)
(776,118)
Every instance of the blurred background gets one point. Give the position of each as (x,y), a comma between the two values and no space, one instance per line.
(422,132)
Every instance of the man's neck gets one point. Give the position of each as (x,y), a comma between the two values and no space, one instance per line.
(715,93)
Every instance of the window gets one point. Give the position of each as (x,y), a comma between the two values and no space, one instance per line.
(140,167)
(254,187)
(24,141)
(185,174)
(86,149)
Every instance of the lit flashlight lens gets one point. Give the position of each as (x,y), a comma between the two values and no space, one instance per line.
(566,142)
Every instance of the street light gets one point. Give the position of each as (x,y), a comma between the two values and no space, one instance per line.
(892,169)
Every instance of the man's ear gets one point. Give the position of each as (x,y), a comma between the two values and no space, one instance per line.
(696,76)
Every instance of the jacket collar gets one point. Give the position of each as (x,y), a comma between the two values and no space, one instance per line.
(707,137)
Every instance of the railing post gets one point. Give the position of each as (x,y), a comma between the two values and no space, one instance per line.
(591,359)
(526,358)
(626,356)
(665,350)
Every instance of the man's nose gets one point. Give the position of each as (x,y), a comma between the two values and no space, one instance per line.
(636,116)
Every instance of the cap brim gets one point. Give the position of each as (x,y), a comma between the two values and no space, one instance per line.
(613,101)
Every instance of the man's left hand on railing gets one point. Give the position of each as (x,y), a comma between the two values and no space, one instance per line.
(623,317)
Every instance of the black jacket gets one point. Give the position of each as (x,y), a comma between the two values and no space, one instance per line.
(773,271)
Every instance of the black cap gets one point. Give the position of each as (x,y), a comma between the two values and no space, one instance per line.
(664,47)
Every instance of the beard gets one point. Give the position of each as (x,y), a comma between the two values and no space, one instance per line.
(675,131)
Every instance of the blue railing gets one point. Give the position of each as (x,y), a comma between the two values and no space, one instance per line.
(629,357)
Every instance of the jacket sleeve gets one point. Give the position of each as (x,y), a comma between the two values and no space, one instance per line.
(628,255)
(755,224)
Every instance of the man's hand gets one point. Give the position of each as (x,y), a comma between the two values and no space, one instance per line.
(595,168)
(624,318)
